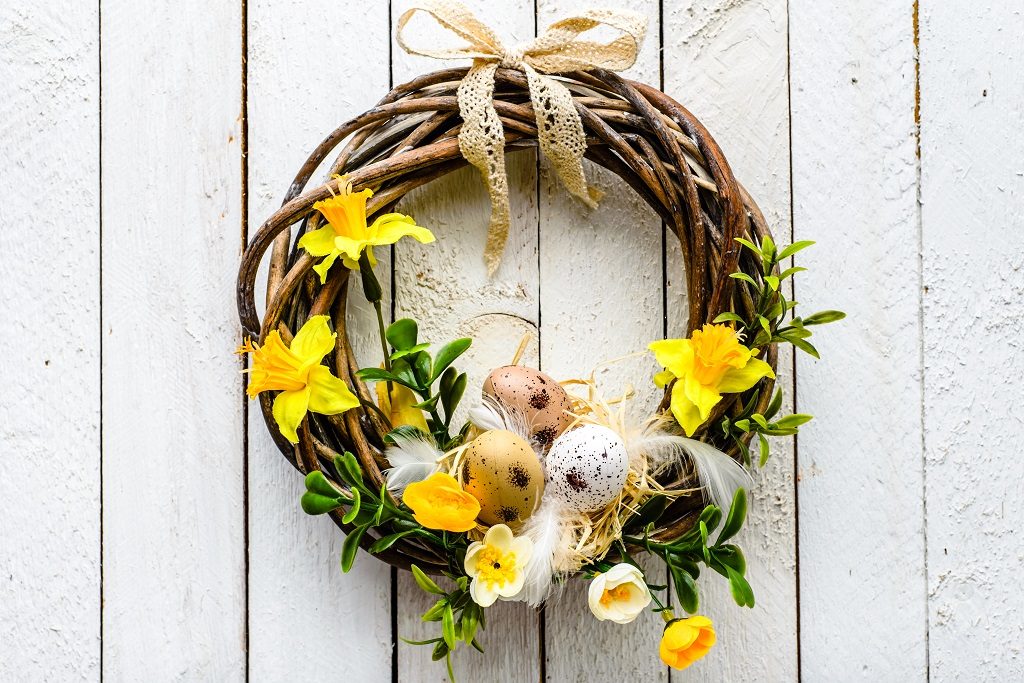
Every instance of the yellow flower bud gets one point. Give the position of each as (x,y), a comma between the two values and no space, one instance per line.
(438,502)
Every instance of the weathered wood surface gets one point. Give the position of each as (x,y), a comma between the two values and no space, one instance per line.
(904,490)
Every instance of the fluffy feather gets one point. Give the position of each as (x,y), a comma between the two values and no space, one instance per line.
(412,458)
(550,529)
(492,414)
(719,474)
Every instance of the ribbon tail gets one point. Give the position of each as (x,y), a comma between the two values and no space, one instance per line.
(482,142)
(560,134)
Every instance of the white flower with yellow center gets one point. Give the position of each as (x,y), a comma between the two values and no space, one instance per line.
(496,565)
(620,594)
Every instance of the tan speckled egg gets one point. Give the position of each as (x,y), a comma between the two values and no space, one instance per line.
(539,399)
(503,473)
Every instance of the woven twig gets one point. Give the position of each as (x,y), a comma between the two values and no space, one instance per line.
(409,139)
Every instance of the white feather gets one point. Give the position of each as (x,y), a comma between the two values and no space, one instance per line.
(412,458)
(492,414)
(719,474)
(549,528)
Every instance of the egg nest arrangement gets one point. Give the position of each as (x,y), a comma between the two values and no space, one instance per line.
(546,481)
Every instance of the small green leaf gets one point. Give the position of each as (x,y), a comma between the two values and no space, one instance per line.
(315,504)
(448,378)
(448,627)
(348,468)
(728,317)
(353,511)
(435,612)
(401,334)
(649,512)
(408,352)
(404,373)
(803,345)
(765,451)
(732,556)
(737,515)
(469,622)
(741,591)
(421,369)
(447,355)
(794,420)
(686,590)
(759,419)
(351,546)
(743,276)
(425,582)
(440,651)
(772,281)
(452,398)
(823,317)
(774,406)
(742,425)
(790,272)
(317,483)
(794,248)
(429,404)
(382,544)
(749,245)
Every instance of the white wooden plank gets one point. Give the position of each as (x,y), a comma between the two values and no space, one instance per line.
(173,550)
(601,299)
(860,461)
(301,606)
(972,186)
(445,287)
(726,62)
(49,410)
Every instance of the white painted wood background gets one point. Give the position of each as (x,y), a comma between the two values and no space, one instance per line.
(150,531)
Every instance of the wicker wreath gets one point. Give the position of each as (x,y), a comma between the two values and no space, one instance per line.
(410,138)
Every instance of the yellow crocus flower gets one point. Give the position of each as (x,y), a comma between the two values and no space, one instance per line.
(438,502)
(347,234)
(686,640)
(710,363)
(295,371)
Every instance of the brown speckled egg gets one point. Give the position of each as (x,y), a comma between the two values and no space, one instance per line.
(541,400)
(504,474)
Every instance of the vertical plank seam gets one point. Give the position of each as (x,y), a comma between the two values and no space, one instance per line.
(393,571)
(795,383)
(99,189)
(920,330)
(244,229)
(542,616)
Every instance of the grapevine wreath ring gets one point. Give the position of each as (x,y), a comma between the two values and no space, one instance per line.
(732,269)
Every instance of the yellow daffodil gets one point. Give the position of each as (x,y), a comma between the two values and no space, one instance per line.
(438,502)
(686,640)
(399,407)
(619,594)
(710,363)
(496,565)
(296,372)
(347,234)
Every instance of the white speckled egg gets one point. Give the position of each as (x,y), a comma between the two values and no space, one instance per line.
(587,467)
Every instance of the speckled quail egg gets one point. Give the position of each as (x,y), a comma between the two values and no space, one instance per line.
(587,467)
(503,472)
(540,400)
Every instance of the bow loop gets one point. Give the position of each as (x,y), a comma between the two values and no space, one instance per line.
(560,132)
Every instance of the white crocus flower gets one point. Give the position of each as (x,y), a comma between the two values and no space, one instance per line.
(620,594)
(496,565)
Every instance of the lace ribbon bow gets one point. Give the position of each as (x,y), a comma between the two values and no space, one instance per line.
(559,128)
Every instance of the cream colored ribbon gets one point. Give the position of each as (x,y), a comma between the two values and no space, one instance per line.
(559,128)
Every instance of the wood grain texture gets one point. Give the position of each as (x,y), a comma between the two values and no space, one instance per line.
(972,187)
(445,287)
(601,299)
(50,405)
(727,62)
(300,603)
(173,545)
(860,461)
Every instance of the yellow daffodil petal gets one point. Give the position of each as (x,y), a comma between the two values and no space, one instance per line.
(324,266)
(318,242)
(685,411)
(350,248)
(329,395)
(661,379)
(675,355)
(391,227)
(741,379)
(399,406)
(289,409)
(346,211)
(314,340)
(705,397)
